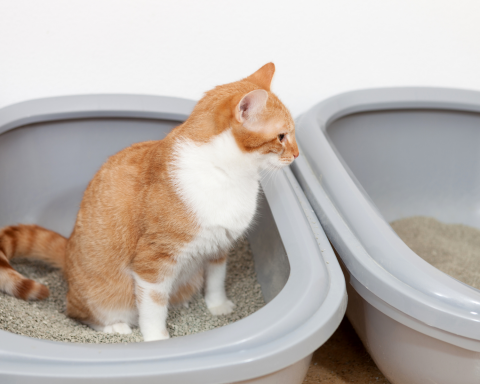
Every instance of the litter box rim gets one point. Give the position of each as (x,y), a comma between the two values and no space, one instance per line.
(443,308)
(25,358)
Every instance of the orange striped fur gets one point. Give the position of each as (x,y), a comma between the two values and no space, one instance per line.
(32,241)
(144,236)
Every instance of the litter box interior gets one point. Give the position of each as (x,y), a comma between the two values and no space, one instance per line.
(414,162)
(45,167)
(421,169)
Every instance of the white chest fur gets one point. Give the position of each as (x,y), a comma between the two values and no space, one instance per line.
(219,184)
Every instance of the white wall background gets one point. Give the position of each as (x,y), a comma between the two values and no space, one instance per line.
(185,47)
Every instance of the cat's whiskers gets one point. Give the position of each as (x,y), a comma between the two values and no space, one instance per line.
(270,173)
(265,173)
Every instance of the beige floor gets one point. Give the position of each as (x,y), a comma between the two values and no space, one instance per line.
(343,359)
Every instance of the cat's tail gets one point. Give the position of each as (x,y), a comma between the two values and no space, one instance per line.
(28,241)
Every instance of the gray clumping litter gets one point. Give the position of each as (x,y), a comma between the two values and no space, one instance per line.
(452,248)
(46,319)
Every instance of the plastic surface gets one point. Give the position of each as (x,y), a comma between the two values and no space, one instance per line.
(46,165)
(373,156)
(406,355)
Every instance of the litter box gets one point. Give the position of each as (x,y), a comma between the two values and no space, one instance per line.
(373,156)
(50,149)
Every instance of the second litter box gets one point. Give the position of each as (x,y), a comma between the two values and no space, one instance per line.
(374,156)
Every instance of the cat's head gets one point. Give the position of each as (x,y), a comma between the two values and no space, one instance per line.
(260,123)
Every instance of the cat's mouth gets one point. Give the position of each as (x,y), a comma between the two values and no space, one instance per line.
(287,161)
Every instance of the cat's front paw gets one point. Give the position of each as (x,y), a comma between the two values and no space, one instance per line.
(223,309)
(154,336)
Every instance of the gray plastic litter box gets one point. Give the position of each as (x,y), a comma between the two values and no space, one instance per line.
(368,158)
(51,148)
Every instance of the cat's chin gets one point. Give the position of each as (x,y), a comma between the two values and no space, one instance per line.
(281,164)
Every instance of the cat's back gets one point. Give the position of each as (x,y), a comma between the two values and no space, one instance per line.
(131,191)
(125,175)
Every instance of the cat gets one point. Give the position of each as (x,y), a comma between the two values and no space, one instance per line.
(159,217)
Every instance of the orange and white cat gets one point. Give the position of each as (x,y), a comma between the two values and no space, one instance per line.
(159,217)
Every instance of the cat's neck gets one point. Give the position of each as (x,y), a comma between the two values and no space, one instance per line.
(217,181)
(220,156)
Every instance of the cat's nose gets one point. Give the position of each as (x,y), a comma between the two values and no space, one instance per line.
(295,155)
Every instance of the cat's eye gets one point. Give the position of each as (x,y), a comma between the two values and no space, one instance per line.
(281,137)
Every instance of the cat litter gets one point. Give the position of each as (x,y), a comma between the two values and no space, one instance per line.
(452,248)
(372,157)
(58,144)
(46,320)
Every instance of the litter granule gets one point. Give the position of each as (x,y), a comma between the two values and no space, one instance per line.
(46,319)
(452,248)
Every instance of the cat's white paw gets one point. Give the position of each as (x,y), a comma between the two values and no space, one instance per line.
(154,336)
(121,328)
(223,309)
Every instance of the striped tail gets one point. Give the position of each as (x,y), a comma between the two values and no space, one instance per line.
(28,241)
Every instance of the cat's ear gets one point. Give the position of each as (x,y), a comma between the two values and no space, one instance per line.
(250,106)
(263,77)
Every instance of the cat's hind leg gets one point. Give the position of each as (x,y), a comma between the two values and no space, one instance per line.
(121,328)
(106,321)
(215,296)
(186,289)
